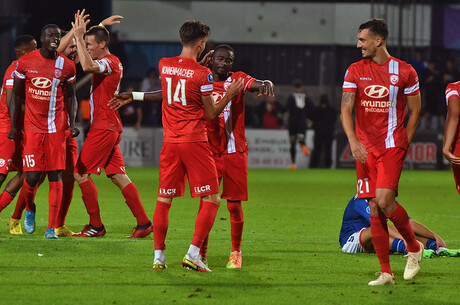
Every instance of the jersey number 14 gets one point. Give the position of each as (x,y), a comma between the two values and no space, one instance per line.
(179,92)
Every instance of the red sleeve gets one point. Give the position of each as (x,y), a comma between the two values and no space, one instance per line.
(451,91)
(20,70)
(412,85)
(349,81)
(206,82)
(70,72)
(248,80)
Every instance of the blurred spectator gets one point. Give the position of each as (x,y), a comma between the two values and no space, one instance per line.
(270,112)
(450,73)
(324,118)
(419,64)
(299,106)
(433,97)
(149,114)
(85,116)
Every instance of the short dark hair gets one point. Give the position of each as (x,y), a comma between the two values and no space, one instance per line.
(100,34)
(193,30)
(23,40)
(224,47)
(51,25)
(377,27)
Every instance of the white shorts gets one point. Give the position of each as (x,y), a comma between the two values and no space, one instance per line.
(353,244)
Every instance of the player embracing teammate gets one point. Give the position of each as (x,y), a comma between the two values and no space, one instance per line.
(379,88)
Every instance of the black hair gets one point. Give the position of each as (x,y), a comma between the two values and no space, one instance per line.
(51,25)
(23,40)
(223,47)
(377,27)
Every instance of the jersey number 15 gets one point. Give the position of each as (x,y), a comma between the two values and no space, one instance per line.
(179,92)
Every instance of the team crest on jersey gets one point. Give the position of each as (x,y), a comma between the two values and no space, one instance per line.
(216,96)
(210,79)
(394,79)
(2,162)
(57,73)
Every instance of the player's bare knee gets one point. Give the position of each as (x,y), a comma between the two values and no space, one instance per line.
(120,180)
(212,198)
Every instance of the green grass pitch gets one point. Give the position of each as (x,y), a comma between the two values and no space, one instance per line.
(291,253)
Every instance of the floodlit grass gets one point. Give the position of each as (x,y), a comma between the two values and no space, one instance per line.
(291,253)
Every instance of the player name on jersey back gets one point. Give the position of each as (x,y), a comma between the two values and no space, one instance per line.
(176,71)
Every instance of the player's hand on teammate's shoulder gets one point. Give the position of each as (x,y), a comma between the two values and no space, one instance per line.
(120,100)
(267,88)
(206,60)
(235,87)
(114,19)
(74,132)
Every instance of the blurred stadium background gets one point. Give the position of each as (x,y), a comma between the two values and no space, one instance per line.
(313,42)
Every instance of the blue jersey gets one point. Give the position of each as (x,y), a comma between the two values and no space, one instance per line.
(357,216)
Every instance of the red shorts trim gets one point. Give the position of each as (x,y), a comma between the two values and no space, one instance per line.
(192,161)
(44,151)
(381,170)
(235,176)
(101,151)
(10,153)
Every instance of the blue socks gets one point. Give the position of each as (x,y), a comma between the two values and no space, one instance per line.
(398,246)
(431,244)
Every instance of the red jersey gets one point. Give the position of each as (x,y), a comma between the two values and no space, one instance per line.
(453,89)
(44,82)
(105,85)
(5,121)
(380,105)
(183,82)
(226,133)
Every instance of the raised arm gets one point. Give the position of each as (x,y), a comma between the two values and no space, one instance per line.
(212,109)
(414,106)
(17,98)
(452,120)
(87,63)
(67,38)
(346,116)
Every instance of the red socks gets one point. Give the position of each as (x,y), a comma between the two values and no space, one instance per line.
(67,194)
(54,202)
(204,222)
(380,240)
(20,205)
(204,246)
(89,196)
(401,221)
(160,224)
(29,195)
(134,203)
(237,223)
(5,200)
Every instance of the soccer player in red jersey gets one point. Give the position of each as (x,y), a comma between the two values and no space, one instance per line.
(101,149)
(187,99)
(379,88)
(11,151)
(40,77)
(229,145)
(451,148)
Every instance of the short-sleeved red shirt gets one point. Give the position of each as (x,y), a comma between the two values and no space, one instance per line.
(380,104)
(44,82)
(105,85)
(183,82)
(8,78)
(227,133)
